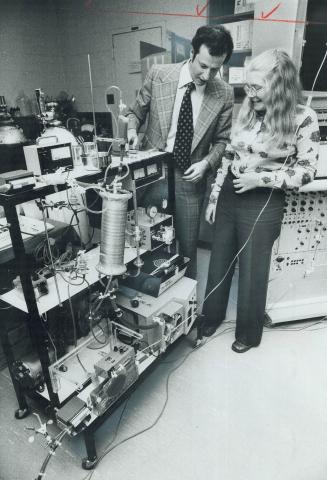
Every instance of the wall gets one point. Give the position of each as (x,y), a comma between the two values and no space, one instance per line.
(87,28)
(30,56)
(286,31)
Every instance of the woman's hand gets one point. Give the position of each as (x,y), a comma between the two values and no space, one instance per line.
(210,213)
(247,181)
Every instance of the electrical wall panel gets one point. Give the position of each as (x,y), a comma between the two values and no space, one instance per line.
(298,271)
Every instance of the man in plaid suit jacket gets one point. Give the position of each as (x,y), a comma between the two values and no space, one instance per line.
(160,100)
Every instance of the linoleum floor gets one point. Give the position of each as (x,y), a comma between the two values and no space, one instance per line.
(254,416)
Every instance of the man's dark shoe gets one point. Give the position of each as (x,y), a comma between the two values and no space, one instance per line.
(239,347)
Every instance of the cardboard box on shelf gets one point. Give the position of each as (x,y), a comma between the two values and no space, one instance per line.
(242,33)
(236,75)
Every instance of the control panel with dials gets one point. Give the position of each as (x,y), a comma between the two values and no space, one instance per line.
(144,173)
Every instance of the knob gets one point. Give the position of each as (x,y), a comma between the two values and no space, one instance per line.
(135,303)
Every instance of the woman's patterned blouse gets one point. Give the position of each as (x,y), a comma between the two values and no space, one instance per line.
(249,152)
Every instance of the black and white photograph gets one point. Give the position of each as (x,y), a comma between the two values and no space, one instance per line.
(163,240)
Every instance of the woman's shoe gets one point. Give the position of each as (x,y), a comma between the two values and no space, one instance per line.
(239,347)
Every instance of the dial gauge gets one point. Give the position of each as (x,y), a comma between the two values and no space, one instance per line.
(151,211)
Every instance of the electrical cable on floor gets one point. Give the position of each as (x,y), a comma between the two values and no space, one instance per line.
(163,408)
(159,416)
(53,447)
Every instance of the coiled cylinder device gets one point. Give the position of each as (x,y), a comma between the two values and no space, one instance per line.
(113,226)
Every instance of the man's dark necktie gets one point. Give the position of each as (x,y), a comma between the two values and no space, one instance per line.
(184,133)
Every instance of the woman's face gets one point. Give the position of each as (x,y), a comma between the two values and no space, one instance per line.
(256,89)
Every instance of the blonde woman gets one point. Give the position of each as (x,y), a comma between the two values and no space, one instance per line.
(274,147)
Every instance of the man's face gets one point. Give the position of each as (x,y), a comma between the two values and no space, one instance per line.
(204,66)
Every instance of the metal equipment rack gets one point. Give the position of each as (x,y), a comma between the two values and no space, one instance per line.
(36,331)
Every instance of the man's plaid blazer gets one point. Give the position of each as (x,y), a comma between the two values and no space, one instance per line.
(156,99)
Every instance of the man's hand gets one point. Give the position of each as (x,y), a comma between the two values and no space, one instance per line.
(196,171)
(132,138)
(247,181)
(210,213)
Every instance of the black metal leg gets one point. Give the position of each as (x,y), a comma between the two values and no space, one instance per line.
(23,409)
(199,326)
(90,461)
(19,395)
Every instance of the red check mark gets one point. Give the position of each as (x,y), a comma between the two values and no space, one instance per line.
(267,15)
(199,10)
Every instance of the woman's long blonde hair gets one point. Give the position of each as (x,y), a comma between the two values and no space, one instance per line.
(284,93)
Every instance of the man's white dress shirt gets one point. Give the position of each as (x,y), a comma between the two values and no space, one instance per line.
(196,98)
